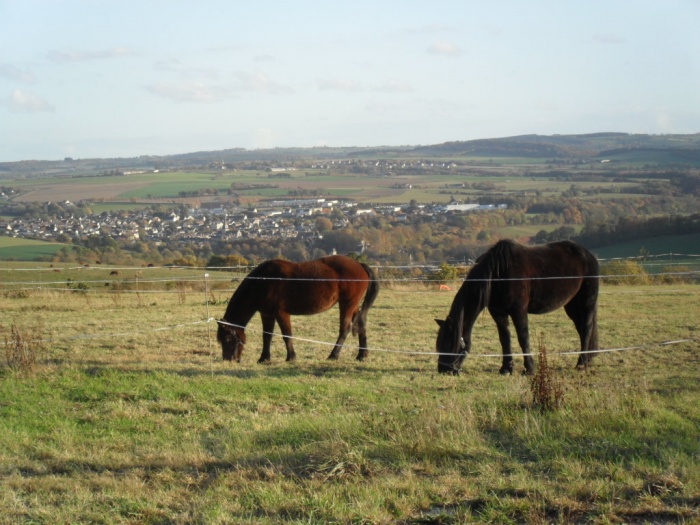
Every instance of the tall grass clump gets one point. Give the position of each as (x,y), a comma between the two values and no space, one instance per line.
(624,272)
(22,347)
(676,275)
(546,389)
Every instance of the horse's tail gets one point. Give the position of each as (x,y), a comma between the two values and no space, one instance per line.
(594,271)
(370,296)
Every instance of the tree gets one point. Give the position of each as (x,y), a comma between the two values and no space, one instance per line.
(323,224)
(446,273)
(483,236)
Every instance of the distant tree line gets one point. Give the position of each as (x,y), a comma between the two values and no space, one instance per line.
(203,192)
(632,228)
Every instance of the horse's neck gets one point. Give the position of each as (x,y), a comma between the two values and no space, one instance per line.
(241,308)
(469,302)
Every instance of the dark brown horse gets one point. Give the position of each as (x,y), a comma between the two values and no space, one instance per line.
(279,289)
(512,280)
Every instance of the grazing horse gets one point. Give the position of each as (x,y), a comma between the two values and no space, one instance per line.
(512,280)
(279,289)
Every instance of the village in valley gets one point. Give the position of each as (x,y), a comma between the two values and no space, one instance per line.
(280,219)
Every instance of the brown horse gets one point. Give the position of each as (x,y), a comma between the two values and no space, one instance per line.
(512,280)
(279,289)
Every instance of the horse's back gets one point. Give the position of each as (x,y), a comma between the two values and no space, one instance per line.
(320,269)
(307,287)
(540,278)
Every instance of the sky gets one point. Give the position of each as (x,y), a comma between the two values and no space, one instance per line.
(123,78)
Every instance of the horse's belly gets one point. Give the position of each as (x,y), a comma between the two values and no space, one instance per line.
(309,304)
(537,307)
(310,310)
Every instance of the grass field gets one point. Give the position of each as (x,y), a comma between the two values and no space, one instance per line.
(128,414)
(676,247)
(427,187)
(12,248)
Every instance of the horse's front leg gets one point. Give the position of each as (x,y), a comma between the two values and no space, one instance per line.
(268,326)
(345,327)
(504,338)
(521,328)
(285,322)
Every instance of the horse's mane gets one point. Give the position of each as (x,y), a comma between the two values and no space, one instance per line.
(491,265)
(250,285)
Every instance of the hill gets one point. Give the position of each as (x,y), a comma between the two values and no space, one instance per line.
(662,150)
(572,146)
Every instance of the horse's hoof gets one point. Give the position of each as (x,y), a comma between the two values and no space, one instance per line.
(332,357)
(263,361)
(505,371)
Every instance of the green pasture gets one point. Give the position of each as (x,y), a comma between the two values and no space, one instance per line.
(429,187)
(674,249)
(159,190)
(115,206)
(641,158)
(128,415)
(17,249)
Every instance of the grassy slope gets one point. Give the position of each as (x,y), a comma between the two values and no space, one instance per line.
(14,249)
(141,424)
(673,244)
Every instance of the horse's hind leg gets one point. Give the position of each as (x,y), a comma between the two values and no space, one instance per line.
(285,322)
(522,330)
(584,319)
(504,338)
(360,328)
(345,327)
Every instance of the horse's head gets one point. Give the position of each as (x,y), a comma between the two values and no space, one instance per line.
(232,339)
(450,346)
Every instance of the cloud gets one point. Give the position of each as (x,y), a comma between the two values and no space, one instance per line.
(430,29)
(14,73)
(26,102)
(65,57)
(608,39)
(444,48)
(175,66)
(339,84)
(394,86)
(202,92)
(258,83)
(187,92)
(265,58)
(382,109)
(265,138)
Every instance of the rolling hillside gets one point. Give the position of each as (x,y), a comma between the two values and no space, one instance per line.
(653,149)
(649,147)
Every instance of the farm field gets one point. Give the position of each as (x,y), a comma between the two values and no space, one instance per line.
(396,188)
(12,248)
(677,248)
(128,414)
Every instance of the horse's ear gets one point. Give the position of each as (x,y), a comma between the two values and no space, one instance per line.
(440,322)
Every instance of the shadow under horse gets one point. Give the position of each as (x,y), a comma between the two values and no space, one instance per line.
(278,289)
(512,281)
